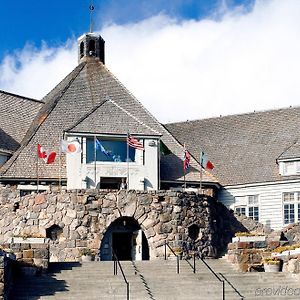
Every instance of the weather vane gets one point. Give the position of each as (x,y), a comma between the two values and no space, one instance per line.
(92,7)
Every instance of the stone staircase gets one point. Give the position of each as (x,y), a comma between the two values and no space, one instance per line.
(154,280)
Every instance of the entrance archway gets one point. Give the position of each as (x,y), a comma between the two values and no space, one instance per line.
(127,239)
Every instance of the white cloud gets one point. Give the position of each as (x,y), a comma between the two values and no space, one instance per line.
(188,69)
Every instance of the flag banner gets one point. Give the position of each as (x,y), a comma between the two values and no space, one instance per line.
(47,156)
(186,158)
(205,163)
(99,146)
(134,143)
(70,147)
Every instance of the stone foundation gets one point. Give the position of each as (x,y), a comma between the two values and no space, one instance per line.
(76,220)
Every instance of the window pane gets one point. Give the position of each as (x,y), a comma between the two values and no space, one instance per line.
(288,197)
(289,168)
(252,200)
(253,213)
(116,149)
(241,210)
(289,213)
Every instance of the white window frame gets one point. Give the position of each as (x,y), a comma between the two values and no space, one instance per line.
(247,202)
(291,198)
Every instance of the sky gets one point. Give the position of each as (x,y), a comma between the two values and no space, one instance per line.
(183,59)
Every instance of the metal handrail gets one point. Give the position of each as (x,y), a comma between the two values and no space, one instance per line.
(177,257)
(116,263)
(214,273)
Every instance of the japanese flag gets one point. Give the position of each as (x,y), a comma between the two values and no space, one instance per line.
(70,147)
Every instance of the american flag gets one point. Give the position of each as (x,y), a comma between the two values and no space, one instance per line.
(134,143)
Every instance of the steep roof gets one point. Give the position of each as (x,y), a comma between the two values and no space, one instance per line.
(244,148)
(292,152)
(100,119)
(16,115)
(73,105)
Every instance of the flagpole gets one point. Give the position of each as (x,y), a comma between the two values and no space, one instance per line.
(95,162)
(184,170)
(201,156)
(59,161)
(37,171)
(127,158)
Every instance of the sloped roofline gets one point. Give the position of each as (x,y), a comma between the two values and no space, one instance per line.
(118,106)
(236,115)
(22,97)
(42,115)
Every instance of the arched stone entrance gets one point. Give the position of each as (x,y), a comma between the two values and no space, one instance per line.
(127,239)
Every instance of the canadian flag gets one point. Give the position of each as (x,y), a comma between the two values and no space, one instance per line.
(47,156)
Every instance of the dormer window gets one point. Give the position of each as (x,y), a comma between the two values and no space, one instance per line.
(288,168)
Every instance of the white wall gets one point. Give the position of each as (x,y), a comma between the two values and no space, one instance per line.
(270,200)
(141,176)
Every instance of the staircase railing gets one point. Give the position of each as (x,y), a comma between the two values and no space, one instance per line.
(215,274)
(177,256)
(116,264)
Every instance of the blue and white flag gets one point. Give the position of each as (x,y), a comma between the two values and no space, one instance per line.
(100,147)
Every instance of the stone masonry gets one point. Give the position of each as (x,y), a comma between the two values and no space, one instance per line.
(75,220)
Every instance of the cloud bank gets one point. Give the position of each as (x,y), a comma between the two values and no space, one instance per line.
(188,69)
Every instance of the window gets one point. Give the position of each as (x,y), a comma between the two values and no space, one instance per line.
(241,210)
(291,207)
(117,150)
(253,213)
(291,168)
(248,206)
(289,213)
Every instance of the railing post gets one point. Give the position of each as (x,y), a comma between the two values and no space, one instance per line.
(165,250)
(194,263)
(223,288)
(177,264)
(127,290)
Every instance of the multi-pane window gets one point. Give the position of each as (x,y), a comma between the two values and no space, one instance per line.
(241,210)
(248,206)
(291,168)
(291,207)
(253,213)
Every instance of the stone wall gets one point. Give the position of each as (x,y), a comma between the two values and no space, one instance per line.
(79,219)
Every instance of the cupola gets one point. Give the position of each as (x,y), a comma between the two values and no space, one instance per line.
(91,45)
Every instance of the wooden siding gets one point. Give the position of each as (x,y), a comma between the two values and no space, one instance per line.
(270,200)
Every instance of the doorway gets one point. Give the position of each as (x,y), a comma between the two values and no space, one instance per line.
(127,239)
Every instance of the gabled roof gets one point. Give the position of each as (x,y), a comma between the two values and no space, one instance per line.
(16,115)
(76,101)
(100,119)
(244,148)
(292,152)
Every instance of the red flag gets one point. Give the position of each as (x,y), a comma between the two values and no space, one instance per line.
(47,156)
(186,158)
(205,163)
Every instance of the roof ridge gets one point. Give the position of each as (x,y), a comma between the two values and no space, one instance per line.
(287,148)
(134,117)
(236,115)
(19,96)
(85,116)
(40,118)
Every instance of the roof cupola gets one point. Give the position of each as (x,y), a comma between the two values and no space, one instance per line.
(91,45)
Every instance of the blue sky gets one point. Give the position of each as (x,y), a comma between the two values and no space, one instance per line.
(215,57)
(55,21)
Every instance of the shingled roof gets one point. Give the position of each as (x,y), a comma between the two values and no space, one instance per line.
(74,105)
(16,115)
(244,148)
